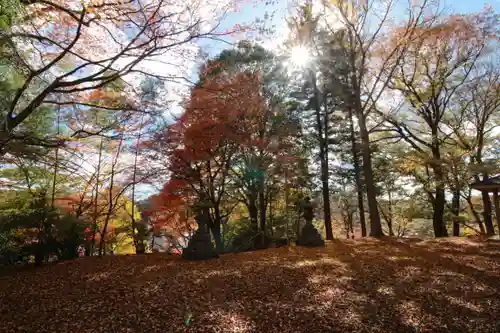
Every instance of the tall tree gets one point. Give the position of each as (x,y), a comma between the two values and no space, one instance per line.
(256,166)
(478,102)
(219,118)
(366,23)
(429,81)
(305,36)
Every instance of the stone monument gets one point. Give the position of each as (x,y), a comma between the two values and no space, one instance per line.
(310,236)
(200,245)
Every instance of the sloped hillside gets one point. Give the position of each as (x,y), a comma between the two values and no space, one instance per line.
(351,286)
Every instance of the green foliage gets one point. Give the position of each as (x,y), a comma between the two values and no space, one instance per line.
(41,124)
(241,235)
(11,73)
(119,237)
(29,227)
(9,10)
(7,243)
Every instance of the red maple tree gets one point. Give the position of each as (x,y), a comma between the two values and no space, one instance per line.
(220,117)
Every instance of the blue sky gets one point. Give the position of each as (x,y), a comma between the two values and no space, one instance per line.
(272,14)
(256,9)
(248,14)
(277,10)
(464,6)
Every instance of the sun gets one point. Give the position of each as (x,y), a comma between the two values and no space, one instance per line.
(299,56)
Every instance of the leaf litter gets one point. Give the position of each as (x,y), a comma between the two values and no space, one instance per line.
(350,286)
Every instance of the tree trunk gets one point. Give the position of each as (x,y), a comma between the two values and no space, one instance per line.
(112,201)
(351,225)
(96,199)
(389,219)
(361,212)
(346,226)
(326,171)
(262,211)
(438,216)
(371,192)
(479,222)
(439,203)
(216,230)
(497,209)
(349,228)
(297,225)
(253,212)
(488,221)
(357,174)
(389,225)
(287,216)
(219,246)
(326,200)
(455,206)
(271,217)
(323,156)
(476,216)
(153,236)
(137,238)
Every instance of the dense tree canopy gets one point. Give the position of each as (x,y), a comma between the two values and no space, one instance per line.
(321,154)
(384,124)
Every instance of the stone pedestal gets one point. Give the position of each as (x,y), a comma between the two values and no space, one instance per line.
(200,246)
(310,236)
(140,248)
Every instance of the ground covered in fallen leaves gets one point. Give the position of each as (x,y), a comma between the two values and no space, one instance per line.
(350,286)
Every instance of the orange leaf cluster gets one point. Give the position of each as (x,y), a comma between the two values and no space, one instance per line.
(170,209)
(221,115)
(221,111)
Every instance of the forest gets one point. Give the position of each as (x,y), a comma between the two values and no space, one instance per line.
(384,121)
(339,161)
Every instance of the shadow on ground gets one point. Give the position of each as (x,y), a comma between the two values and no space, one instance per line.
(350,286)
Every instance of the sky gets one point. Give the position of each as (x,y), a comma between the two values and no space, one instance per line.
(259,12)
(464,6)
(272,14)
